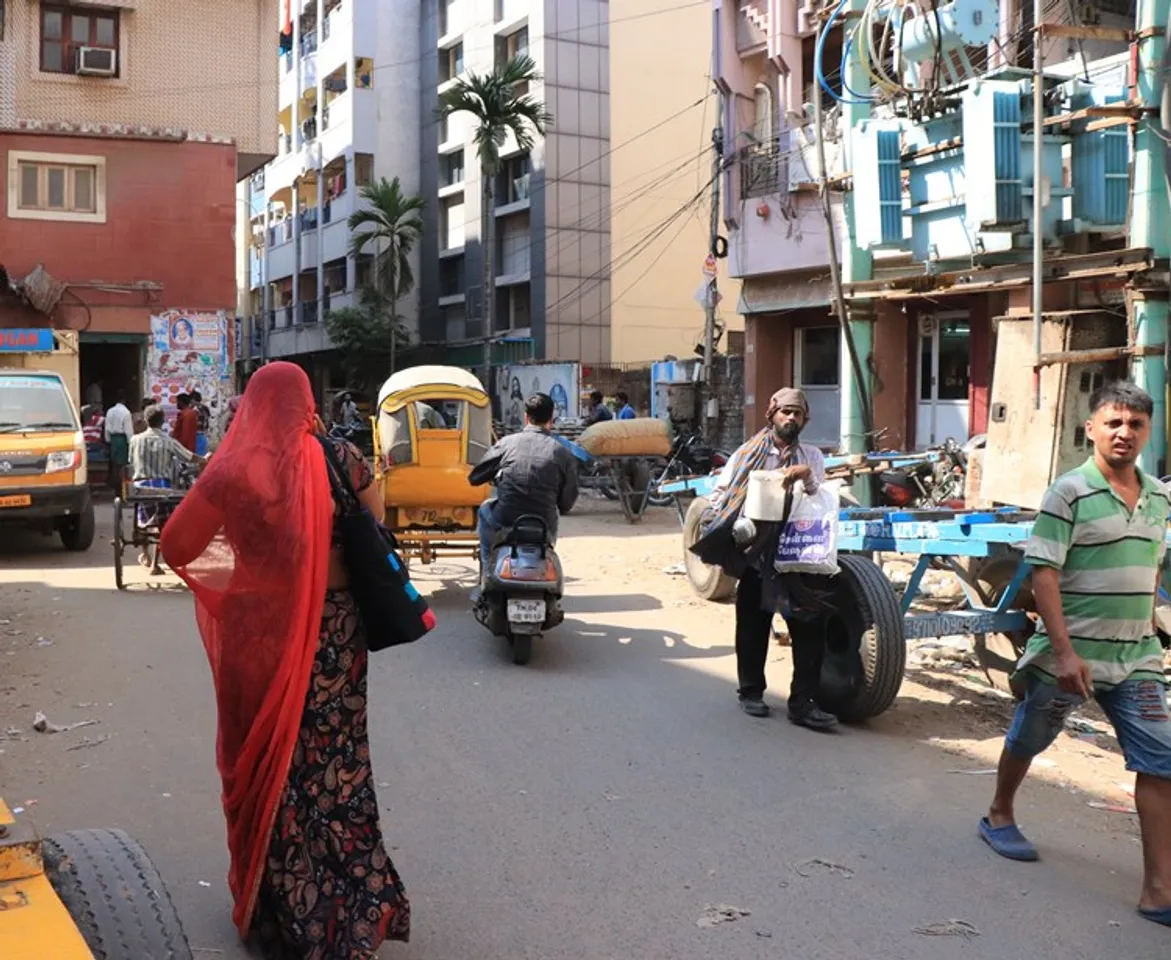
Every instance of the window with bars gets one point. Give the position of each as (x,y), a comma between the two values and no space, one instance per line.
(67,30)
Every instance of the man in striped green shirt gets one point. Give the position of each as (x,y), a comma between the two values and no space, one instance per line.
(1096,549)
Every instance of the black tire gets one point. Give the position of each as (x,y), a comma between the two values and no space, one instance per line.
(115,896)
(77,532)
(710,583)
(866,651)
(522,647)
(657,477)
(638,475)
(998,653)
(609,491)
(119,545)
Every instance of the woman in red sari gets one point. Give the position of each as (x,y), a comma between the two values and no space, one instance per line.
(254,540)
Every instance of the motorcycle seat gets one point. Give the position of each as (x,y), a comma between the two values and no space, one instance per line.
(526,531)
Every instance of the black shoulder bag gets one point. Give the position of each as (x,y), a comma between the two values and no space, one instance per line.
(391,608)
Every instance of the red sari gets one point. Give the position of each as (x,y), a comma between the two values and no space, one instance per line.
(252,541)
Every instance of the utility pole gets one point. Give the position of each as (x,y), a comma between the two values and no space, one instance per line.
(1147,225)
(711,405)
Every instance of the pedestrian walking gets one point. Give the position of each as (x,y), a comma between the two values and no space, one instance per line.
(1096,549)
(310,875)
(119,429)
(186,429)
(202,422)
(762,592)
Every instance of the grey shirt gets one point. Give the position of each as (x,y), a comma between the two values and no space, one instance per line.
(533,473)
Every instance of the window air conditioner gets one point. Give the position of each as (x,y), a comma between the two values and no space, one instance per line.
(97,61)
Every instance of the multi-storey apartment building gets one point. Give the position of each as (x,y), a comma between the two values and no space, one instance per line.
(348,112)
(552,232)
(662,161)
(120,151)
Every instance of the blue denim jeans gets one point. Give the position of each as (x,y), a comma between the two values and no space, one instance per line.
(1137,709)
(487,528)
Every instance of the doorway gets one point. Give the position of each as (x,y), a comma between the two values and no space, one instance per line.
(111,366)
(818,365)
(944,375)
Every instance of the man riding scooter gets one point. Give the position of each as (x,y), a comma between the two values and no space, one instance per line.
(534,474)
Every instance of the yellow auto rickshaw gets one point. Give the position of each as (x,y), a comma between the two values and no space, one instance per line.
(432,426)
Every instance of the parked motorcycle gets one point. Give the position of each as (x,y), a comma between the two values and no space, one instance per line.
(691,456)
(937,481)
(523,586)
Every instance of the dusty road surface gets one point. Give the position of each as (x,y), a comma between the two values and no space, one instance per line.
(592,805)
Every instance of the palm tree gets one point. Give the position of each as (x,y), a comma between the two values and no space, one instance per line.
(499,107)
(390,224)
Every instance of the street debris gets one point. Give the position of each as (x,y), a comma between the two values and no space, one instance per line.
(87,742)
(42,724)
(764,934)
(204,883)
(44,642)
(803,868)
(1082,725)
(948,928)
(988,771)
(715,914)
(1112,807)
(676,570)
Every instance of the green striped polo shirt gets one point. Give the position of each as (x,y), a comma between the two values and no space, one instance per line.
(1108,558)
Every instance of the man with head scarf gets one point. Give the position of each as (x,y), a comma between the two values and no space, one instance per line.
(761,591)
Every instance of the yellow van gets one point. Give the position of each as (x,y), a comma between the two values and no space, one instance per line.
(42,458)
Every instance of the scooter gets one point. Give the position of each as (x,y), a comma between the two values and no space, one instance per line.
(522,589)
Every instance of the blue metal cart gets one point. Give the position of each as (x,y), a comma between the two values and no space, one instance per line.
(866,642)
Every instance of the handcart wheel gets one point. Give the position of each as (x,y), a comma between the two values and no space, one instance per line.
(119,544)
(866,650)
(998,653)
(710,583)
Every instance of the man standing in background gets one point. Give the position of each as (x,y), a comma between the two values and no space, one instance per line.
(119,430)
(203,422)
(187,423)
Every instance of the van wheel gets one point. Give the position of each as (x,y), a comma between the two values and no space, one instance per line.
(114,895)
(77,533)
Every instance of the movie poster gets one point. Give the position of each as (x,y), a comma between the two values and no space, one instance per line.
(191,351)
(517,382)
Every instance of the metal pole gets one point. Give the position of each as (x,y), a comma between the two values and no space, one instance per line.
(857,319)
(1148,221)
(1038,205)
(319,122)
(709,330)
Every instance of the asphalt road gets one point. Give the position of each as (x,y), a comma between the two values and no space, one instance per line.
(586,807)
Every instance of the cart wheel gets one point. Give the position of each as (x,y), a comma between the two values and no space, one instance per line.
(866,651)
(711,583)
(115,896)
(998,653)
(638,476)
(119,545)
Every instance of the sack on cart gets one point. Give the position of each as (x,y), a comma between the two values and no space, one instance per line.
(809,536)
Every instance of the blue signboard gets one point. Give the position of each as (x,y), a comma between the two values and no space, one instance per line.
(36,340)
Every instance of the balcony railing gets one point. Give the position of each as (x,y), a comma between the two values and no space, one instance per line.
(760,169)
(280,233)
(309,43)
(308,220)
(307,311)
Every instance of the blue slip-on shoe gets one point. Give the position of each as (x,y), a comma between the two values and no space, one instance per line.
(1160,915)
(1008,841)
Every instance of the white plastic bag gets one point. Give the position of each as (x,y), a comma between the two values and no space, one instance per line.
(809,539)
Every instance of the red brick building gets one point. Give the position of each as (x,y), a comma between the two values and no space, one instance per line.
(119,159)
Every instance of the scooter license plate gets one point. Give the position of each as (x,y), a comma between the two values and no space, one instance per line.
(526,611)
